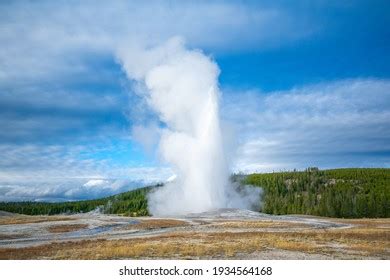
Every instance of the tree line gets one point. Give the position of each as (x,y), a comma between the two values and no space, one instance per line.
(347,193)
(343,193)
(131,203)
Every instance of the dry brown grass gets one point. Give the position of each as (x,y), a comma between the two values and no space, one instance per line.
(363,222)
(300,246)
(24,219)
(221,240)
(369,223)
(261,224)
(66,228)
(180,245)
(149,224)
(193,245)
(367,248)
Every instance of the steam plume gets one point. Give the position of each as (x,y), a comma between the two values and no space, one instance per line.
(181,86)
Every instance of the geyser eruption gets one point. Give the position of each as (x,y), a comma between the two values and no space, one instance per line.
(181,86)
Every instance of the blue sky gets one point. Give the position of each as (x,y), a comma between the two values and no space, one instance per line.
(305,83)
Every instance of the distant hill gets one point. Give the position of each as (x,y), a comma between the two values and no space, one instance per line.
(347,193)
(131,203)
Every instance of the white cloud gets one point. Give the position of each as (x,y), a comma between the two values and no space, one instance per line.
(23,163)
(337,124)
(64,189)
(49,40)
(75,182)
(95,183)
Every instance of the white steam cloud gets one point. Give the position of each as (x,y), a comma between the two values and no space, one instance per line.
(181,86)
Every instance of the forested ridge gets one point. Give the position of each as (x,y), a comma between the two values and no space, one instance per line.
(347,193)
(131,203)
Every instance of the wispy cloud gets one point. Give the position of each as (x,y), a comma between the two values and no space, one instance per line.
(46,40)
(76,161)
(58,172)
(334,124)
(64,189)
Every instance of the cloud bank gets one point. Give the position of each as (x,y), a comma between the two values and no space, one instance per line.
(336,124)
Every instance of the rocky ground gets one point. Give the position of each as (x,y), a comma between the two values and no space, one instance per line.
(220,234)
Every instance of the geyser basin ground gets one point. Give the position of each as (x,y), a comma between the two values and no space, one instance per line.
(225,233)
